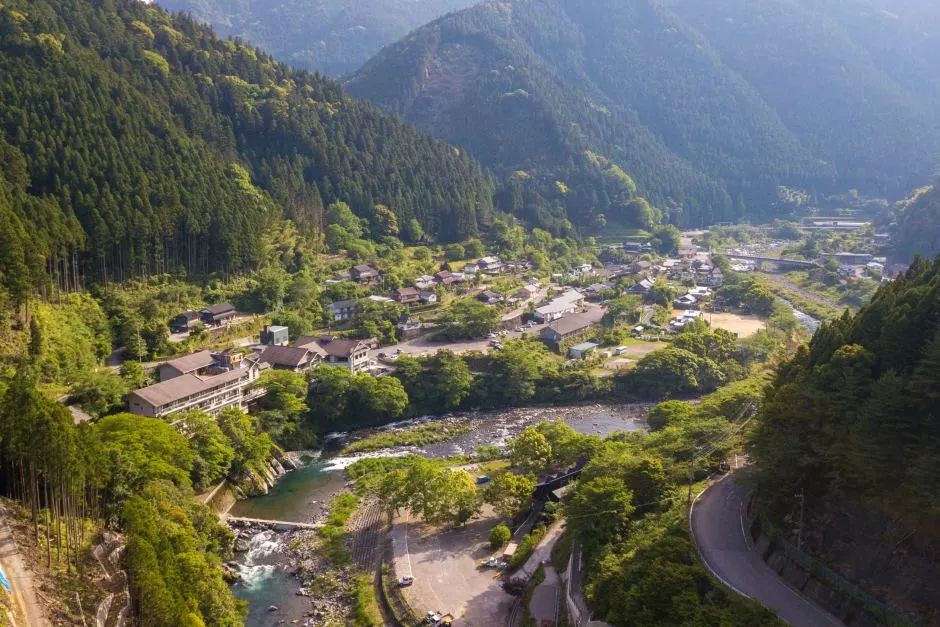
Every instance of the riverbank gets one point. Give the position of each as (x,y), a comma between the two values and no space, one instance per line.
(270,567)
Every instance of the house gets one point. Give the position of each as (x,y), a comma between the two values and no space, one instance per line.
(275,336)
(641,267)
(428,297)
(217,315)
(185,322)
(490,297)
(490,265)
(684,302)
(567,328)
(195,363)
(599,288)
(853,259)
(700,292)
(688,316)
(343,310)
(642,288)
(406,295)
(583,350)
(585,269)
(364,274)
(567,303)
(445,278)
(424,282)
(202,381)
(529,293)
(713,279)
(289,358)
(335,351)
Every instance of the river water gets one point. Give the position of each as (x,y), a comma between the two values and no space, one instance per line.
(301,494)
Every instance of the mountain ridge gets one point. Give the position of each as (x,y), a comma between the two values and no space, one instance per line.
(652,88)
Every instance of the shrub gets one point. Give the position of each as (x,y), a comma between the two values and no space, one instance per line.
(499,536)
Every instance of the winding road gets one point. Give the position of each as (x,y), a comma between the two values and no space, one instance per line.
(718,528)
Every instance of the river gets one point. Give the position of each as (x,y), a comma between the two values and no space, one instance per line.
(301,494)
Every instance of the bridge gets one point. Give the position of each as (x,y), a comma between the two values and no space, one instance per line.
(796,263)
(277,525)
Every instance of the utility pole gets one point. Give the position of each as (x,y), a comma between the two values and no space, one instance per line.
(799,529)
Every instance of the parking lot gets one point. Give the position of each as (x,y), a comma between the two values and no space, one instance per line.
(445,564)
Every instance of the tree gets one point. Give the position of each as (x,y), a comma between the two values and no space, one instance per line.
(213,454)
(468,319)
(473,249)
(413,233)
(510,494)
(283,408)
(530,451)
(666,239)
(100,392)
(341,215)
(454,252)
(133,375)
(384,222)
(499,536)
(599,512)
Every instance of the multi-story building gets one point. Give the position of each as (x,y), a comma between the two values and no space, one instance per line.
(202,381)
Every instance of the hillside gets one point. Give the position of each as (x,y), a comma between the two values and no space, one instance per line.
(852,423)
(334,37)
(917,229)
(134,143)
(707,105)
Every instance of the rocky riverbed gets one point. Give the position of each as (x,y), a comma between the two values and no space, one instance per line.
(284,576)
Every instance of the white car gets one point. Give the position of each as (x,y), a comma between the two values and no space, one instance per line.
(405,581)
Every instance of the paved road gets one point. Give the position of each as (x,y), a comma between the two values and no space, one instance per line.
(719,531)
(21,579)
(545,597)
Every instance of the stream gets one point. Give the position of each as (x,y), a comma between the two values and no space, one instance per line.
(300,495)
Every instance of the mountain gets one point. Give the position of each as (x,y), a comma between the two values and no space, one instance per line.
(133,142)
(917,224)
(852,424)
(708,105)
(334,37)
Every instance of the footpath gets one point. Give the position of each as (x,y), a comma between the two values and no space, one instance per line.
(22,587)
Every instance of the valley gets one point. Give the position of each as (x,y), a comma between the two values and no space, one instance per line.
(460,312)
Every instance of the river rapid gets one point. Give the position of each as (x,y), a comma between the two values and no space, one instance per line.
(301,495)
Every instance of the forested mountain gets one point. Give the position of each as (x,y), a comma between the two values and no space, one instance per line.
(133,142)
(329,36)
(707,105)
(917,228)
(853,422)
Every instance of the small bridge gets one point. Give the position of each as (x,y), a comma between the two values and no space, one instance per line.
(796,263)
(277,525)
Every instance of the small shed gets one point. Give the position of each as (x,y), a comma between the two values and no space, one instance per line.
(582,350)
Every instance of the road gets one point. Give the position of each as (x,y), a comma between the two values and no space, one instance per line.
(718,528)
(21,580)
(423,346)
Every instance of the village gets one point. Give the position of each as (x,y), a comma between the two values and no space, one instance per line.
(564,311)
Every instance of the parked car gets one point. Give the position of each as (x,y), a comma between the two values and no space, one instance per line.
(405,581)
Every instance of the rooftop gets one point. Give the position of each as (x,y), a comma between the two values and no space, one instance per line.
(219,308)
(585,346)
(178,388)
(193,362)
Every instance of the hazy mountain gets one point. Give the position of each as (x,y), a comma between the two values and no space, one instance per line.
(329,36)
(707,104)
